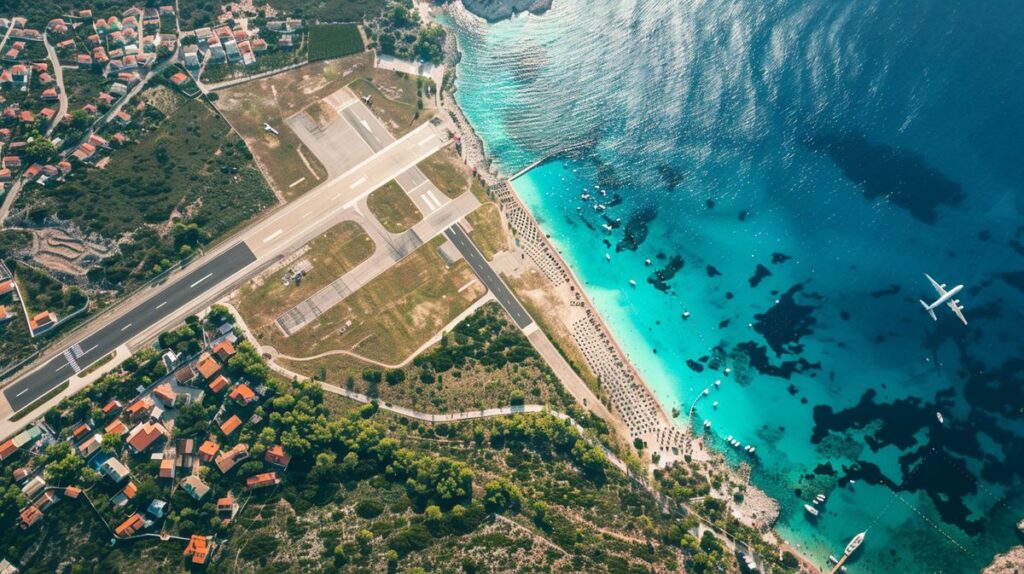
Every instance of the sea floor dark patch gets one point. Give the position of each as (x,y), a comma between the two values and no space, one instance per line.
(712,272)
(778,258)
(890,290)
(694,366)
(661,277)
(757,357)
(636,229)
(786,322)
(671,176)
(901,176)
(760,272)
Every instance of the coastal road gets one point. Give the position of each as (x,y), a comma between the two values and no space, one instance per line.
(291,226)
(487,275)
(94,347)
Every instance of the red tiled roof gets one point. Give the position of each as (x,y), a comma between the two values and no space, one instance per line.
(230,425)
(242,394)
(143,436)
(116,426)
(198,548)
(208,450)
(129,527)
(277,455)
(207,366)
(7,449)
(261,480)
(217,385)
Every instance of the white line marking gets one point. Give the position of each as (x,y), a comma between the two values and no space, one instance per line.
(90,349)
(21,393)
(307,214)
(297,182)
(434,198)
(366,125)
(426,140)
(271,237)
(466,286)
(161,305)
(200,281)
(358,182)
(126,326)
(426,201)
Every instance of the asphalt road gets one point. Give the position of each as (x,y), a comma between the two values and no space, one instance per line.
(487,276)
(94,347)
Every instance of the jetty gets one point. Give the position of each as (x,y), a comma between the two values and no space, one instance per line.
(850,549)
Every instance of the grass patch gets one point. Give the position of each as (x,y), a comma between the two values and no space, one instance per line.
(83,86)
(44,293)
(488,232)
(447,171)
(338,250)
(271,100)
(395,96)
(92,368)
(40,401)
(328,41)
(393,315)
(393,208)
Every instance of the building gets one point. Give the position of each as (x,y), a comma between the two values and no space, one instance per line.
(30,516)
(140,409)
(124,495)
(7,449)
(219,383)
(195,487)
(91,445)
(72,492)
(116,427)
(199,548)
(226,505)
(243,395)
(165,395)
(32,487)
(224,350)
(275,455)
(207,451)
(145,435)
(207,366)
(42,321)
(228,459)
(262,480)
(157,509)
(80,431)
(114,469)
(129,527)
(111,406)
(167,469)
(230,425)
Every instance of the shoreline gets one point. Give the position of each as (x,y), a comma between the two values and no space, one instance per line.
(758,511)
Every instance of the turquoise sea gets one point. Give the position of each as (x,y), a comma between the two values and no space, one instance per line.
(791,169)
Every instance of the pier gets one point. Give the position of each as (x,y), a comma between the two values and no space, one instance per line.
(559,151)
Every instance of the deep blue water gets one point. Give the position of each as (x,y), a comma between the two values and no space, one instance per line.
(791,169)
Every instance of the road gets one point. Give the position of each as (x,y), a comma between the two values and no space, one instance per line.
(105,340)
(487,275)
(291,226)
(58,73)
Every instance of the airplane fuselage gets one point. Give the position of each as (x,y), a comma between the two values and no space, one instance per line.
(949,295)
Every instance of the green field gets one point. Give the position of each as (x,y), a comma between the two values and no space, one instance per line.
(393,208)
(327,41)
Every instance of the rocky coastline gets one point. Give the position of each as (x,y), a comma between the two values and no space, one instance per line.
(496,10)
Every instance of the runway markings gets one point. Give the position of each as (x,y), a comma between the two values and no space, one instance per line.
(200,281)
(271,237)
(433,198)
(161,305)
(430,200)
(307,214)
(23,391)
(126,327)
(426,140)
(467,286)
(297,182)
(358,182)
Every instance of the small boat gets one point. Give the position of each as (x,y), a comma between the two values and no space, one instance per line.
(718,382)
(707,424)
(811,510)
(608,256)
(632,283)
(585,196)
(727,370)
(832,559)
(705,392)
(939,416)
(748,448)
(728,439)
(607,227)
(752,449)
(854,544)
(714,405)
(819,499)
(647,262)
(686,314)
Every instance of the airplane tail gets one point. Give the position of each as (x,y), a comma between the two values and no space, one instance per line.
(929,309)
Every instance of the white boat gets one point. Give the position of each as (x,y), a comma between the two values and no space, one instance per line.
(647,262)
(728,439)
(705,392)
(832,559)
(707,424)
(726,371)
(585,196)
(632,283)
(686,314)
(854,544)
(608,256)
(606,227)
(811,510)
(714,404)
(752,449)
(939,416)
(718,383)
(748,448)
(819,499)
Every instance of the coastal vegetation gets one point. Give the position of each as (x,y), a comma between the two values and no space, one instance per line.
(327,41)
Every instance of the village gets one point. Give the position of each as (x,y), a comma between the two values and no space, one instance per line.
(139,463)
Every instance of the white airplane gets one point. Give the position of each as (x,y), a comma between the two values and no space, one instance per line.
(945,297)
(367,99)
(270,128)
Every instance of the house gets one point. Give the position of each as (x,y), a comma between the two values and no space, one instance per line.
(185,374)
(129,527)
(157,509)
(20,474)
(242,395)
(41,321)
(26,117)
(224,350)
(225,505)
(199,548)
(30,516)
(140,408)
(166,395)
(262,480)
(179,79)
(7,450)
(217,385)
(84,151)
(207,366)
(195,487)
(145,435)
(125,494)
(116,427)
(166,468)
(230,425)
(285,41)
(277,456)
(28,436)
(72,492)
(6,285)
(122,118)
(83,60)
(184,449)
(47,113)
(111,406)
(5,315)
(50,94)
(105,98)
(32,487)
(47,500)
(80,431)
(12,161)
(91,445)
(228,459)
(208,450)
(191,56)
(259,45)
(114,470)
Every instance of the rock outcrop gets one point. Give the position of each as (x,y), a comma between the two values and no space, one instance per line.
(495,10)
(1010,563)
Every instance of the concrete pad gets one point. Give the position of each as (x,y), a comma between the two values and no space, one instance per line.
(337,145)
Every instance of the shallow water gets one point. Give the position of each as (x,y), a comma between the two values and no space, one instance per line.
(791,169)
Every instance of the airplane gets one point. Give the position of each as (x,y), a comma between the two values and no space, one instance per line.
(368,99)
(270,128)
(945,297)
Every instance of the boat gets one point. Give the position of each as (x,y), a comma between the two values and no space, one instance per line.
(718,383)
(686,314)
(707,424)
(606,227)
(939,416)
(819,499)
(632,283)
(752,449)
(647,262)
(608,256)
(811,510)
(728,439)
(832,559)
(714,404)
(585,196)
(748,448)
(854,544)
(727,370)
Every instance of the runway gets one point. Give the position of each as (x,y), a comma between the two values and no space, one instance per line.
(487,275)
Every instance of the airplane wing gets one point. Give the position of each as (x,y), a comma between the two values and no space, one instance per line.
(955,306)
(941,289)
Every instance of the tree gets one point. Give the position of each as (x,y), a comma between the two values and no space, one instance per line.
(433,514)
(395,376)
(40,150)
(64,466)
(501,495)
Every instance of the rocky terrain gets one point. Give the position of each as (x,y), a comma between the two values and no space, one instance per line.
(1010,563)
(495,10)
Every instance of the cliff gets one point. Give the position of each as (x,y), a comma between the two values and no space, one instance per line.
(494,10)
